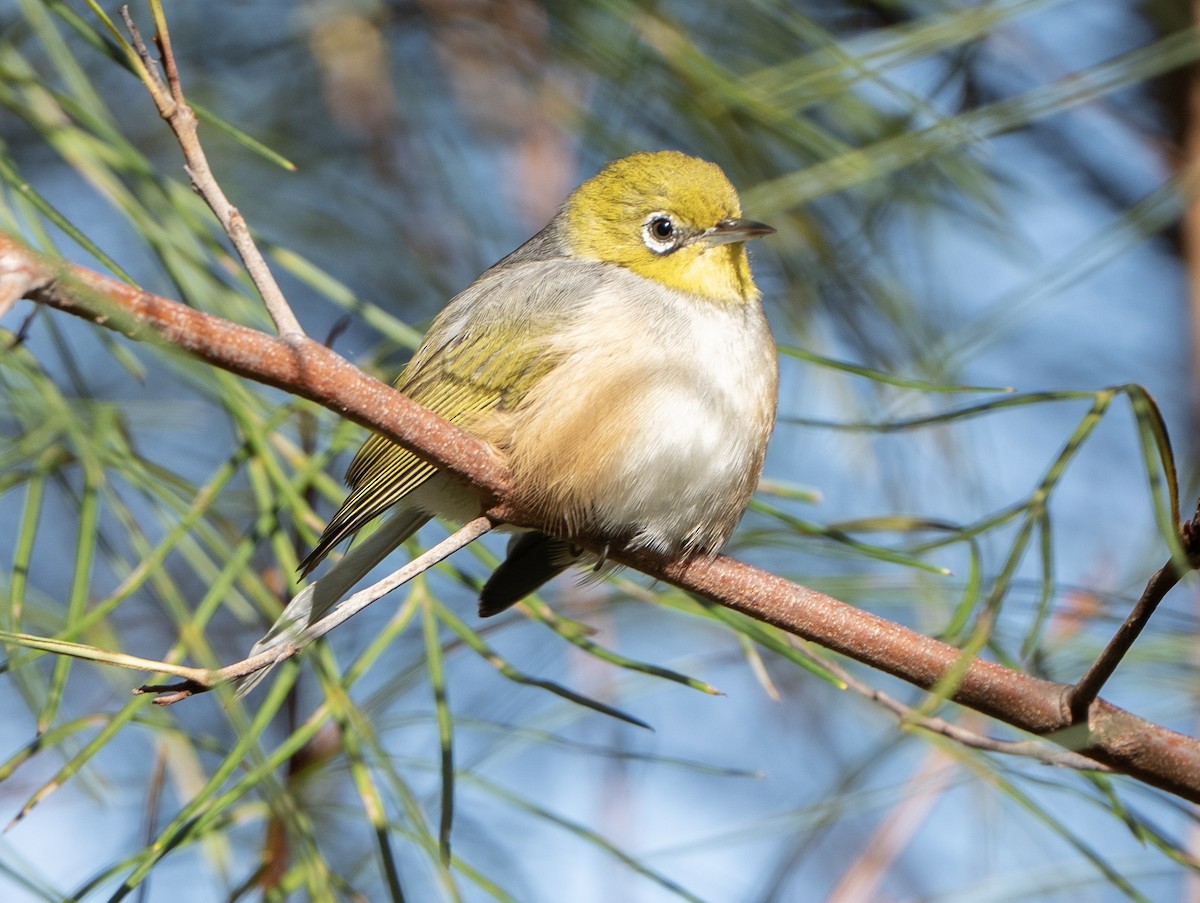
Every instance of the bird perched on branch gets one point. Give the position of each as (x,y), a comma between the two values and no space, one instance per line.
(619,363)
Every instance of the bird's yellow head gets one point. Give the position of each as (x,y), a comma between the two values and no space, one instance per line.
(669,217)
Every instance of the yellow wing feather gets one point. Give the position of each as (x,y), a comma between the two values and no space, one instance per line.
(457,381)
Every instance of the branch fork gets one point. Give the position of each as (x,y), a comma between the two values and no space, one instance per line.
(1078,699)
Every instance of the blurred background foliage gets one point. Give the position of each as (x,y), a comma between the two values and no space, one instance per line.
(969,197)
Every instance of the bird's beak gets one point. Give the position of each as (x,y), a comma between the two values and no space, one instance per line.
(728,231)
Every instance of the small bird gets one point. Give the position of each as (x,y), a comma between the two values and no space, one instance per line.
(618,362)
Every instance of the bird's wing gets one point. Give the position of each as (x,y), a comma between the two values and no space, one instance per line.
(457,376)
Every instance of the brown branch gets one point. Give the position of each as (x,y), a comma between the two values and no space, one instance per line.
(1111,736)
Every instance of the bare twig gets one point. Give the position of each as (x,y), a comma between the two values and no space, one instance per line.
(174,109)
(1149,752)
(1088,687)
(148,65)
(909,716)
(252,668)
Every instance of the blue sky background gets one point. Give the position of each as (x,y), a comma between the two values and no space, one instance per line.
(1016,264)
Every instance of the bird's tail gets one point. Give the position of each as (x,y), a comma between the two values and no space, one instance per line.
(311,604)
(533,558)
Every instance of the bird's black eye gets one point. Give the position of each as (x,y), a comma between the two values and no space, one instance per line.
(660,234)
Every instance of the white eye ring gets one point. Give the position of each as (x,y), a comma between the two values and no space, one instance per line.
(660,234)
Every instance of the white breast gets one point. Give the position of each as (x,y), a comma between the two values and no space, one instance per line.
(656,422)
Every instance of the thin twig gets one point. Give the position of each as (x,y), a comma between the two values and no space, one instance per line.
(174,109)
(140,46)
(347,608)
(908,716)
(1087,689)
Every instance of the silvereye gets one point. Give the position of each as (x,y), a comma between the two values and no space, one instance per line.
(620,364)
